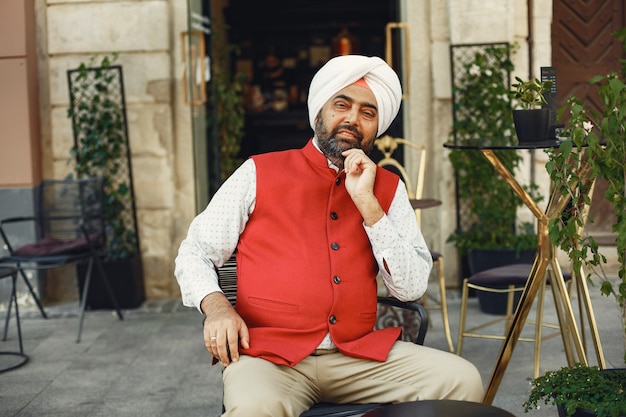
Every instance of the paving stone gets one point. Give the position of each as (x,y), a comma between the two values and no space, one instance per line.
(153,363)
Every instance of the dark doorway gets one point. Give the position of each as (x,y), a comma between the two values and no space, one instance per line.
(583,46)
(282,44)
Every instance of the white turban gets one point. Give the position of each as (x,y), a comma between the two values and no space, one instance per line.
(343,71)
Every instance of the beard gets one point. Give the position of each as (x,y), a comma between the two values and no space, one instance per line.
(333,146)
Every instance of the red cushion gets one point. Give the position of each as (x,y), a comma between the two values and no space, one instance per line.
(516,274)
(503,276)
(50,246)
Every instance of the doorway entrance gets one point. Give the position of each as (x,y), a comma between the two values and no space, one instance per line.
(583,46)
(282,44)
(279,45)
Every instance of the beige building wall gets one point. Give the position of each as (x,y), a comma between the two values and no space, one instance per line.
(146,34)
(19,121)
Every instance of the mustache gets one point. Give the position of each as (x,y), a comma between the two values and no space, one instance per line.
(349,128)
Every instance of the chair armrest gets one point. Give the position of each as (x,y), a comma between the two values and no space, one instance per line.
(10,220)
(415,307)
(17,220)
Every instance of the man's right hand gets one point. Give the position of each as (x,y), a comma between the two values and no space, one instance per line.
(224,329)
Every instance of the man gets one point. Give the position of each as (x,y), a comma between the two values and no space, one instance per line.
(312,228)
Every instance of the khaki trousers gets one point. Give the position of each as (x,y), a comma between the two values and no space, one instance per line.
(256,387)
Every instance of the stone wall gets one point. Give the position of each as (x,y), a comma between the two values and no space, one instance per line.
(145,34)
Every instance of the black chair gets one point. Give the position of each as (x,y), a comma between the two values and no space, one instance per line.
(15,359)
(411,316)
(69,222)
(498,289)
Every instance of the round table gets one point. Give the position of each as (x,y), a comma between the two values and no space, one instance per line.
(438,408)
(423,203)
(12,359)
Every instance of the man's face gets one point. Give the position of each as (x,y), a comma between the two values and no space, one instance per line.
(348,120)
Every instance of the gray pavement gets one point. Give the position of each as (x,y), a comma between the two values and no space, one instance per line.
(153,363)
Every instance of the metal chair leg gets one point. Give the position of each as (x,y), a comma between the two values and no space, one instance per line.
(464,295)
(13,301)
(539,324)
(7,318)
(17,315)
(83,299)
(538,328)
(444,304)
(32,292)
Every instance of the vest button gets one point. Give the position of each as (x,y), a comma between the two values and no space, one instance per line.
(334,215)
(337,181)
(332,320)
(336,279)
(334,246)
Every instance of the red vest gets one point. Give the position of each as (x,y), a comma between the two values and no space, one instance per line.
(305,264)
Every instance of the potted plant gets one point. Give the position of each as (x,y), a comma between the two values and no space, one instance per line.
(532,121)
(581,391)
(101,149)
(596,138)
(487,205)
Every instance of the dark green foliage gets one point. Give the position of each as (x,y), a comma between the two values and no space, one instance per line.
(484,116)
(530,94)
(100,150)
(228,90)
(580,386)
(596,138)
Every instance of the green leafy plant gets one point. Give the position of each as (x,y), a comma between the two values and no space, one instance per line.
(228,90)
(581,387)
(530,94)
(595,148)
(597,140)
(98,125)
(483,116)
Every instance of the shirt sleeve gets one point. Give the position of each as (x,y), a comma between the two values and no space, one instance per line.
(213,235)
(400,250)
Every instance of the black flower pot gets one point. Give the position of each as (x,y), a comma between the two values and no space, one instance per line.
(532,125)
(126,278)
(579,412)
